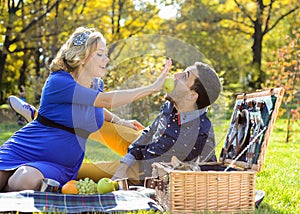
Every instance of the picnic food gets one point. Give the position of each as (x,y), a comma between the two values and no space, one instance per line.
(105,185)
(169,84)
(69,188)
(86,186)
(116,185)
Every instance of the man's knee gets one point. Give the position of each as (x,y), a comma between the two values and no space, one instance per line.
(98,170)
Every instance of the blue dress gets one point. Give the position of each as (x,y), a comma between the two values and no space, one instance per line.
(58,154)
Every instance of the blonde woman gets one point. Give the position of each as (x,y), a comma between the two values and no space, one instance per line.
(53,145)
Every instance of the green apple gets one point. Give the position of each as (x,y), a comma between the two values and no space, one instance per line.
(105,185)
(169,84)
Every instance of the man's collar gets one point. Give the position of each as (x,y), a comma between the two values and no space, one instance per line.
(185,117)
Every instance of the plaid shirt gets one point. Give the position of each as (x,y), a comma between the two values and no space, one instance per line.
(186,136)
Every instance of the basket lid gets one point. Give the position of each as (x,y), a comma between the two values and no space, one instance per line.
(250,127)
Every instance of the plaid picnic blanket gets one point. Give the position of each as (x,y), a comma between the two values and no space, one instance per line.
(117,201)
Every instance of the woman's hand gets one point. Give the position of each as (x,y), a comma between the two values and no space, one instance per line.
(134,124)
(158,84)
(117,98)
(137,125)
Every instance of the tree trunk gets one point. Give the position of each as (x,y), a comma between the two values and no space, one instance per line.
(2,63)
(3,56)
(257,54)
(23,73)
(37,63)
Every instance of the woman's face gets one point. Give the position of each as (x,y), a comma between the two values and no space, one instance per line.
(96,62)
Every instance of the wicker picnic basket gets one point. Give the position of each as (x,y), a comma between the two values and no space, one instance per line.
(228,185)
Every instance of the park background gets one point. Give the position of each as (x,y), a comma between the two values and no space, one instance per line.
(252,44)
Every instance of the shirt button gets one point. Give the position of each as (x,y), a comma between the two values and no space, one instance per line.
(202,120)
(168,125)
(175,131)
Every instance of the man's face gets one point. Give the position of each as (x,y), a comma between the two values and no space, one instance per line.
(183,82)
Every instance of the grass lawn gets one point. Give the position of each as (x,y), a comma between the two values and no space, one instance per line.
(279,178)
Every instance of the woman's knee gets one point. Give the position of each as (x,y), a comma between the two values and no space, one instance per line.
(25,178)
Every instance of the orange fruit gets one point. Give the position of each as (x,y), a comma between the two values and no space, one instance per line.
(72,181)
(69,188)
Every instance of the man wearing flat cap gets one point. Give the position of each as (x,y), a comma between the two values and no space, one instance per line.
(182,128)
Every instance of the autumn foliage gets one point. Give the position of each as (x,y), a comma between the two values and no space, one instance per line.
(284,72)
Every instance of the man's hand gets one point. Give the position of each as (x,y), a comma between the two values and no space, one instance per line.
(121,172)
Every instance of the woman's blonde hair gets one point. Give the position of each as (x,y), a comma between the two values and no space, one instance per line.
(73,53)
